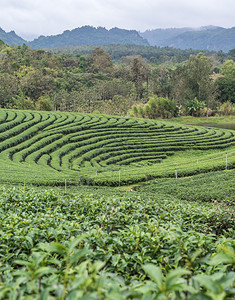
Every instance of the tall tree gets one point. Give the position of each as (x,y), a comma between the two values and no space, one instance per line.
(8,90)
(161,81)
(100,61)
(228,68)
(37,83)
(231,54)
(226,84)
(139,71)
(198,79)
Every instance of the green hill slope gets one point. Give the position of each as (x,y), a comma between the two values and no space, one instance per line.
(47,148)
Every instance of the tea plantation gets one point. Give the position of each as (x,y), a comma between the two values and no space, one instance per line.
(166,233)
(47,148)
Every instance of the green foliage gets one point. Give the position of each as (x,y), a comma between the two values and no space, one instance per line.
(102,243)
(226,89)
(101,61)
(227,108)
(231,54)
(197,80)
(156,107)
(8,90)
(226,84)
(44,103)
(23,102)
(228,69)
(47,148)
(193,107)
(155,55)
(139,75)
(94,82)
(169,239)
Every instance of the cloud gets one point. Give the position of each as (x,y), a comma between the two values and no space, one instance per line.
(46,17)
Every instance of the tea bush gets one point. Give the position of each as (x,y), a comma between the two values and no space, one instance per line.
(93,244)
(47,148)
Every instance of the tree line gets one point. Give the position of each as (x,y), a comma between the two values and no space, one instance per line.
(37,79)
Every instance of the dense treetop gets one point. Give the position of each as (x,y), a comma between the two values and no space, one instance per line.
(111,79)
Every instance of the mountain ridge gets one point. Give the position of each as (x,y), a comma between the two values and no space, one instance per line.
(210,37)
(89,35)
(11,38)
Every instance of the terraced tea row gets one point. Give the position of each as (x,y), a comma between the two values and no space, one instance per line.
(51,147)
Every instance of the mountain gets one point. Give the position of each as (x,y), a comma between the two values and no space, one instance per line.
(208,37)
(215,39)
(211,38)
(11,38)
(88,35)
(158,37)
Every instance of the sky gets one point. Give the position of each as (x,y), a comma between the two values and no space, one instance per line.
(32,18)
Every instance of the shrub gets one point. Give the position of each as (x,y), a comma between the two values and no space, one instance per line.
(194,107)
(44,103)
(227,108)
(156,107)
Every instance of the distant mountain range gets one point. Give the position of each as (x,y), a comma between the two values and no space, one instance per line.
(209,38)
(86,35)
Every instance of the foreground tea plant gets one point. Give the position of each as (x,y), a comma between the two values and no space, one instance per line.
(93,244)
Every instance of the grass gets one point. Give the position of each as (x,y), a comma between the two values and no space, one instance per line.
(188,120)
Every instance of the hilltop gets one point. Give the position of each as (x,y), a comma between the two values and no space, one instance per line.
(11,38)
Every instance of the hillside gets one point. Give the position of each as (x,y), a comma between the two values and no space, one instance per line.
(48,148)
(216,39)
(210,38)
(88,35)
(160,37)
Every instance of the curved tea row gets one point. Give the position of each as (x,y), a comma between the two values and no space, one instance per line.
(52,146)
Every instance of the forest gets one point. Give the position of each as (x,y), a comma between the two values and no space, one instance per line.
(192,82)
